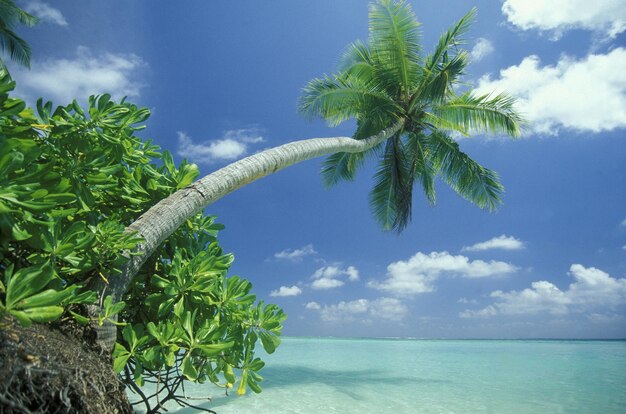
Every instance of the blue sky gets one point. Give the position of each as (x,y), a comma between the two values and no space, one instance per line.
(222,79)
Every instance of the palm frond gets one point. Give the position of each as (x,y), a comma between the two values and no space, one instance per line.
(422,166)
(342,97)
(482,113)
(341,166)
(18,49)
(469,179)
(10,15)
(451,38)
(439,82)
(391,197)
(394,43)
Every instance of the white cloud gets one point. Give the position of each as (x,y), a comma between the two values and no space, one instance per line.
(232,145)
(482,48)
(326,283)
(45,12)
(327,277)
(587,95)
(286,291)
(63,80)
(295,254)
(313,306)
(362,309)
(607,17)
(623,223)
(591,289)
(502,242)
(419,273)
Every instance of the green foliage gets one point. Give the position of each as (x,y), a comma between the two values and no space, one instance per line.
(73,179)
(388,79)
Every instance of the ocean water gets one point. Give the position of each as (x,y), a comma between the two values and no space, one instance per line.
(328,375)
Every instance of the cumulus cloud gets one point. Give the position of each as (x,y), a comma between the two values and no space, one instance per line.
(63,80)
(286,291)
(592,288)
(502,242)
(482,48)
(45,12)
(420,272)
(232,145)
(390,309)
(587,95)
(328,277)
(313,306)
(326,283)
(607,17)
(295,255)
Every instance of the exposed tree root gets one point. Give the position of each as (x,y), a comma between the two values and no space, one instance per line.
(44,370)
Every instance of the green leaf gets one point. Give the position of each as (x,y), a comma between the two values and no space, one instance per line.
(215,349)
(46,298)
(28,281)
(188,369)
(270,342)
(120,357)
(43,314)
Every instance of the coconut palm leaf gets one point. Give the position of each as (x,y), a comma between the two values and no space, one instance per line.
(436,85)
(392,194)
(469,179)
(476,113)
(451,38)
(395,44)
(10,42)
(342,97)
(423,169)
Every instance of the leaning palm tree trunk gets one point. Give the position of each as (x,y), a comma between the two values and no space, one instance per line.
(161,220)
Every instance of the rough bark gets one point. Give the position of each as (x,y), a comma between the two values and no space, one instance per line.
(161,220)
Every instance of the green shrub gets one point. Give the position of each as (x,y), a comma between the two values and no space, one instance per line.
(72,179)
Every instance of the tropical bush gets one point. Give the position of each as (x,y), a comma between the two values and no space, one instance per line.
(72,179)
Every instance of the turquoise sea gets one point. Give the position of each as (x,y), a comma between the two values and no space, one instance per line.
(329,375)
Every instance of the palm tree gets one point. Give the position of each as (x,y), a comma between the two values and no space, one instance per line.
(10,42)
(389,80)
(405,106)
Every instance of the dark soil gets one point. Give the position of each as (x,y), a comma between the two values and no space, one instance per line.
(54,369)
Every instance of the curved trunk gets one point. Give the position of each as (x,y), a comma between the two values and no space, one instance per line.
(162,219)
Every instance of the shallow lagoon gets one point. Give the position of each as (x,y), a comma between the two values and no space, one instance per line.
(330,375)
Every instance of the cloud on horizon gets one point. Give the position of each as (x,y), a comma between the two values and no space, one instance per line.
(583,95)
(361,310)
(419,273)
(592,288)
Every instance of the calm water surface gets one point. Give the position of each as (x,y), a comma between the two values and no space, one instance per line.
(326,375)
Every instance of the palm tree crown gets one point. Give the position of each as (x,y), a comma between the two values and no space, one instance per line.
(389,80)
(11,16)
